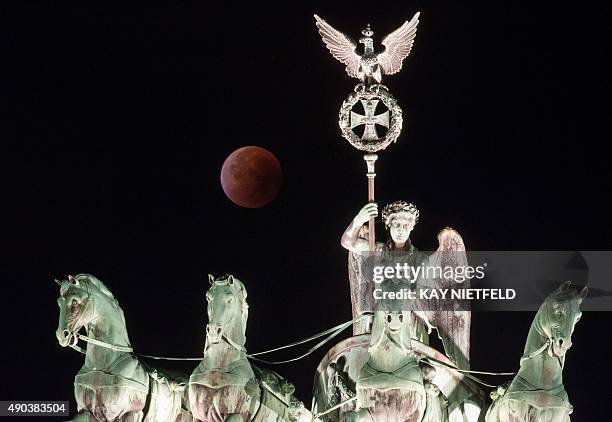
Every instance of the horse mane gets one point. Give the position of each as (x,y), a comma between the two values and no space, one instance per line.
(222,281)
(100,286)
(562,294)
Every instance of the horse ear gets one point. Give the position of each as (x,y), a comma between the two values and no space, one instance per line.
(57,281)
(583,293)
(230,279)
(73,280)
(211,279)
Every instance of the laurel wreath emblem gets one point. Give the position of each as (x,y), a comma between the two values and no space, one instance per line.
(373,92)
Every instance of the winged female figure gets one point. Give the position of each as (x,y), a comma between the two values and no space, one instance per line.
(452,325)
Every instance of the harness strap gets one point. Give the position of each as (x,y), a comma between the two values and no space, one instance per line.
(103,343)
(79,349)
(531,387)
(165,357)
(337,330)
(467,373)
(548,344)
(334,331)
(269,390)
(313,337)
(331,409)
(537,352)
(233,343)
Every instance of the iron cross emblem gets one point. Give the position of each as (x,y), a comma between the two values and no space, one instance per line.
(370,120)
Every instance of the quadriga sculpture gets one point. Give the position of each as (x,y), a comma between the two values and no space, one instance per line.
(225,386)
(112,385)
(537,394)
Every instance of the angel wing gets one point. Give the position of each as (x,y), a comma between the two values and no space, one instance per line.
(397,46)
(452,325)
(340,45)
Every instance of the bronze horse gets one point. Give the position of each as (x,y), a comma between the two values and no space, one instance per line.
(113,384)
(225,386)
(537,394)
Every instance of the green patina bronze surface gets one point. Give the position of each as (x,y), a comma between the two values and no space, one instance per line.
(537,393)
(225,386)
(112,384)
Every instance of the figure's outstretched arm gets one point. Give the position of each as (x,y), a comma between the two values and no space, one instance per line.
(350,239)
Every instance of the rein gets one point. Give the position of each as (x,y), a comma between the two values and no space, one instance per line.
(99,343)
(331,333)
(334,331)
(547,345)
(539,351)
(467,373)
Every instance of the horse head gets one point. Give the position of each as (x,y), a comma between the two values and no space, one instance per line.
(227,311)
(391,323)
(558,316)
(80,301)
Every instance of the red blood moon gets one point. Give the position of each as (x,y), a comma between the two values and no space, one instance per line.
(251,177)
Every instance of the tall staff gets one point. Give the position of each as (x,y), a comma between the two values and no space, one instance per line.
(369,67)
(371,174)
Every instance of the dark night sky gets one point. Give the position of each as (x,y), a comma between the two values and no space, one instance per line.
(117,121)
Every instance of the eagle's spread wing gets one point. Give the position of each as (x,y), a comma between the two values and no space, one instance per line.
(397,46)
(340,45)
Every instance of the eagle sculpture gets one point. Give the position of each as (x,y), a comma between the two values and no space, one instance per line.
(370,66)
